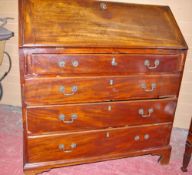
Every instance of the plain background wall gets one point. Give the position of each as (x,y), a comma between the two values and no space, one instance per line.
(183,14)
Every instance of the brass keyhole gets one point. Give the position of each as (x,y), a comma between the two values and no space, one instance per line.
(111,82)
(107,135)
(109,108)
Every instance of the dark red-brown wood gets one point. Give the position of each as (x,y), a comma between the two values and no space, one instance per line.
(89,64)
(92,89)
(35,168)
(98,115)
(85,23)
(97,143)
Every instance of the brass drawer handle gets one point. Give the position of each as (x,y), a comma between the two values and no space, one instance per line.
(113,62)
(144,86)
(62,148)
(103,5)
(146,136)
(75,63)
(148,64)
(141,112)
(73,118)
(137,138)
(73,89)
(61,64)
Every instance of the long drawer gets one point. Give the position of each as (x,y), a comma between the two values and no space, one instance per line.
(76,146)
(79,117)
(60,90)
(108,64)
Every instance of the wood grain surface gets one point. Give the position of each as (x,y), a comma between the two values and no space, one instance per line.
(43,120)
(88,24)
(97,143)
(93,89)
(36,168)
(108,64)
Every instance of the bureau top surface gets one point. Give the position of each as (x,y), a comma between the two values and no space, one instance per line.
(89,23)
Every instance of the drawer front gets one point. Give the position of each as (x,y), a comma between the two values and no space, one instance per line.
(99,115)
(102,64)
(96,143)
(93,89)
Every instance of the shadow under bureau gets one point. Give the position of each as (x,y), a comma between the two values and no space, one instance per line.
(99,80)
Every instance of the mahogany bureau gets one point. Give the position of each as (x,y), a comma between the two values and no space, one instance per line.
(99,80)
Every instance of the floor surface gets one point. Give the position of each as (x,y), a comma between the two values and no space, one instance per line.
(11,154)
